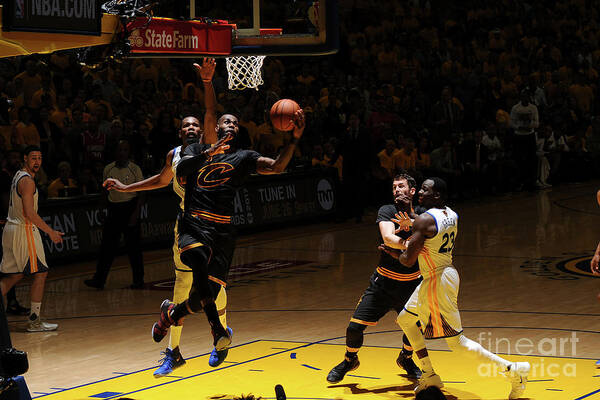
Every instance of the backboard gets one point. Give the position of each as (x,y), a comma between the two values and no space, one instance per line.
(275,27)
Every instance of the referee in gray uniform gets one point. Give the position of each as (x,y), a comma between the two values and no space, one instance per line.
(123,217)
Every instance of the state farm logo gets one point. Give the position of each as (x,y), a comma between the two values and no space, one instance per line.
(163,39)
(135,39)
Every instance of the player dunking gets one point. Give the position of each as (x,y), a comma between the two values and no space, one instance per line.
(23,251)
(190,132)
(435,301)
(206,238)
(390,286)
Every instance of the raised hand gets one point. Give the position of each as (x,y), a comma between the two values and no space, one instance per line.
(299,124)
(207,69)
(403,221)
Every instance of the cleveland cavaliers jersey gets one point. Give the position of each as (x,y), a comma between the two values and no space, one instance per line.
(209,192)
(15,207)
(437,251)
(178,184)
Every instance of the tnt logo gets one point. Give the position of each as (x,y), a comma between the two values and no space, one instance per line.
(135,39)
(20,8)
(325,194)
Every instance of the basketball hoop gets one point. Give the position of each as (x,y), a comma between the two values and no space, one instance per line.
(244,72)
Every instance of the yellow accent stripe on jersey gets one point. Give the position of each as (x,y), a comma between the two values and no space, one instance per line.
(434,307)
(31,244)
(398,276)
(190,246)
(360,321)
(217,280)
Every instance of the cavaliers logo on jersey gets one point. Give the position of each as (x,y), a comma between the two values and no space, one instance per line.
(214,175)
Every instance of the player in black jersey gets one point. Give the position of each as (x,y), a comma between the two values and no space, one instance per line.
(206,238)
(391,284)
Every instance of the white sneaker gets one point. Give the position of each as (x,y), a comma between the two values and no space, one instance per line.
(518,378)
(429,379)
(37,325)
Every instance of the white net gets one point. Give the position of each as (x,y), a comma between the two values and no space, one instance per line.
(244,72)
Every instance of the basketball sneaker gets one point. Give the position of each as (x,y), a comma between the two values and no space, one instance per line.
(407,363)
(338,372)
(217,357)
(172,360)
(517,374)
(37,325)
(221,338)
(160,328)
(429,379)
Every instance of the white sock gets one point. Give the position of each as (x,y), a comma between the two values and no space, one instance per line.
(35,309)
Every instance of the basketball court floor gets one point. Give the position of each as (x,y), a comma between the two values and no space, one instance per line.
(526,291)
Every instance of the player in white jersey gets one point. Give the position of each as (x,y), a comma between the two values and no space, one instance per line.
(191,132)
(23,250)
(435,301)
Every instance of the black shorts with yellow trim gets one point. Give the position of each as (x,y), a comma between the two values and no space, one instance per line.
(221,254)
(382,296)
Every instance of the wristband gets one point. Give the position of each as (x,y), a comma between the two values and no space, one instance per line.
(206,80)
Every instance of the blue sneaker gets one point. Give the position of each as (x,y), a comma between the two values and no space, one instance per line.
(217,357)
(172,360)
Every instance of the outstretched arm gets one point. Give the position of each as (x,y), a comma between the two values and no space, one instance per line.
(160,180)
(424,227)
(268,166)
(206,72)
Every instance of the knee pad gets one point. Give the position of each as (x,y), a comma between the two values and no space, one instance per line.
(354,335)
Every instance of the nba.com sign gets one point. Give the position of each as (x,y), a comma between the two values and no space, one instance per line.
(325,195)
(53,16)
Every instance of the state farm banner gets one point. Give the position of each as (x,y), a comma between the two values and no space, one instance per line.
(171,36)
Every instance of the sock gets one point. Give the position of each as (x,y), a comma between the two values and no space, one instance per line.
(35,310)
(181,290)
(351,355)
(180,311)
(469,348)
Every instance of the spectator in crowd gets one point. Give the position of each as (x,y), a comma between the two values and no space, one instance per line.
(25,132)
(123,218)
(524,119)
(64,185)
(388,158)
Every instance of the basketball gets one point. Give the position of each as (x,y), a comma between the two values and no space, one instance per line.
(282,114)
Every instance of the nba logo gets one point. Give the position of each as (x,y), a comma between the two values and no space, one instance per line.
(20,8)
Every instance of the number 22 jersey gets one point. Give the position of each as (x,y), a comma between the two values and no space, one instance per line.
(437,251)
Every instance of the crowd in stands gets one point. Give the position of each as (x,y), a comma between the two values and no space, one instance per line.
(493,96)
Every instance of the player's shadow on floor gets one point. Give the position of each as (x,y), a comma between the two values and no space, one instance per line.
(406,391)
(355,389)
